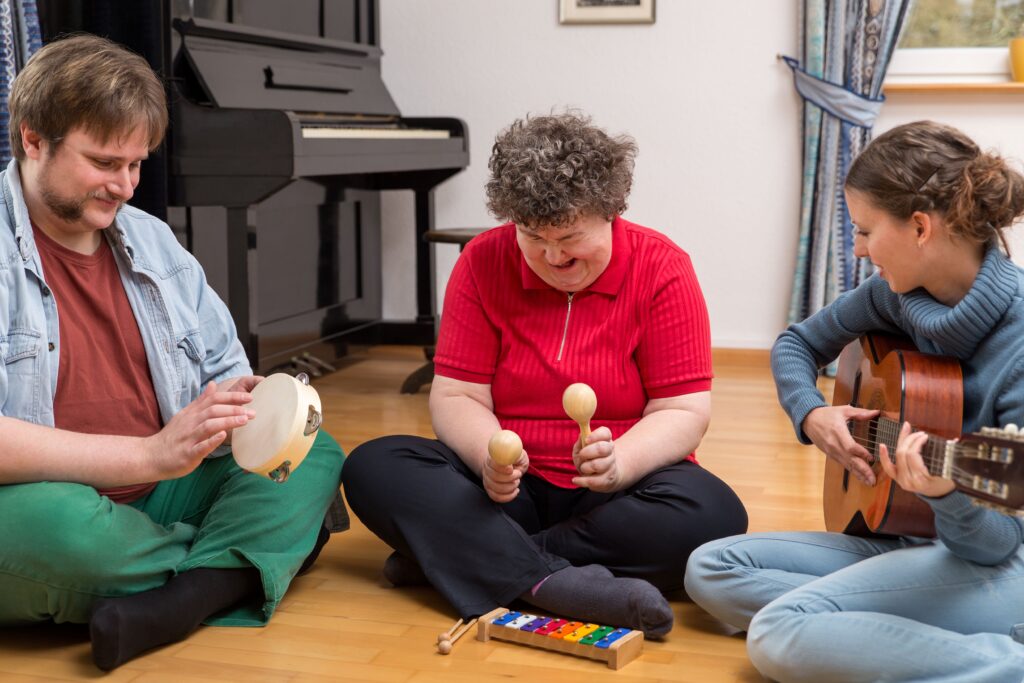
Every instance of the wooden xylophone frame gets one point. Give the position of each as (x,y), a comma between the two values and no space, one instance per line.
(617,655)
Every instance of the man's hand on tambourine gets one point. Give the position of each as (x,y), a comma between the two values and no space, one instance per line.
(198,428)
(247,383)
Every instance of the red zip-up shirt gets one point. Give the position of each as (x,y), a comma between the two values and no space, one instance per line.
(640,331)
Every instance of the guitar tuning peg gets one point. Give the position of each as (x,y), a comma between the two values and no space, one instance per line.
(989,431)
(1011,429)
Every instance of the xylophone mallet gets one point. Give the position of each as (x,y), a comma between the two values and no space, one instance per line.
(580,403)
(447,635)
(505,447)
(444,646)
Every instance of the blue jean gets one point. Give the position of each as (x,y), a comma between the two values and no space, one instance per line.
(829,607)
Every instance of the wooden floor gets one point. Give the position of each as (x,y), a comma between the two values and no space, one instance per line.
(340,623)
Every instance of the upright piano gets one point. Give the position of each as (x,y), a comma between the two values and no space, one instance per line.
(282,136)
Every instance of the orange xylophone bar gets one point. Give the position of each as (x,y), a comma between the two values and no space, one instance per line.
(614,646)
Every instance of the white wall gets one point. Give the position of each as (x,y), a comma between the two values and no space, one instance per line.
(714,114)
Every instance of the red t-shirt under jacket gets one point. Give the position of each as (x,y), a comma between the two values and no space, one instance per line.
(640,331)
(103,381)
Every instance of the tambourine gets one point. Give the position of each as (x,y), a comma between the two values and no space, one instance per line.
(287,418)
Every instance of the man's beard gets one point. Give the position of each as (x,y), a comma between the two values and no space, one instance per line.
(68,210)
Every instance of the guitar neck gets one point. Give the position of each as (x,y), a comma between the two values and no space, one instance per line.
(985,466)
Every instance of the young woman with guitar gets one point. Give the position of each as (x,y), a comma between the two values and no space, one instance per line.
(929,209)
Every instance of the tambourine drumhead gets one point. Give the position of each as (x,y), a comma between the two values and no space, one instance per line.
(279,437)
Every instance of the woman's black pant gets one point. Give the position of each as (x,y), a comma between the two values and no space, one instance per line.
(419,497)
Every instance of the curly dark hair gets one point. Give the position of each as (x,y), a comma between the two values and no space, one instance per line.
(928,166)
(548,170)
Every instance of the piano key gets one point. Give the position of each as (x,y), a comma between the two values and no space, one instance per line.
(319,132)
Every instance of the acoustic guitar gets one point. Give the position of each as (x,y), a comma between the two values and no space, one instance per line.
(887,373)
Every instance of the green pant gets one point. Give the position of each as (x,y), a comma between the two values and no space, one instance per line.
(63,546)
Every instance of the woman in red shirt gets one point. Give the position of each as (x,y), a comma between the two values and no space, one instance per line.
(566,292)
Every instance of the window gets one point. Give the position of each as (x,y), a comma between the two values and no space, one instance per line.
(957,41)
(962,23)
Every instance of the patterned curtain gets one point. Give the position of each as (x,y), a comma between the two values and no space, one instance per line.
(845,50)
(19,39)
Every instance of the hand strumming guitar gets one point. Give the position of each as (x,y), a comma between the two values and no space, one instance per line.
(827,428)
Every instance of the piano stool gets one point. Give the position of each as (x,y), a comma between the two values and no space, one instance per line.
(425,373)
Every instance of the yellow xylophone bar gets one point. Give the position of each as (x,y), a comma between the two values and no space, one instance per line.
(617,655)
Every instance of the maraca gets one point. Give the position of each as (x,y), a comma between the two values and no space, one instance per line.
(505,447)
(580,403)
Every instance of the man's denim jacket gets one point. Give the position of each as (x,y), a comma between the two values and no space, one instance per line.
(188,333)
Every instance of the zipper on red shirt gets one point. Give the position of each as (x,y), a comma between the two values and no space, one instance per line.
(565,330)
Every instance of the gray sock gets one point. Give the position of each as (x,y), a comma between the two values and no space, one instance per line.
(594,594)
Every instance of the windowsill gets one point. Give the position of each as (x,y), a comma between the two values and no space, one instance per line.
(1004,87)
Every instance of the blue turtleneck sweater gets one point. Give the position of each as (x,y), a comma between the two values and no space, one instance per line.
(984,331)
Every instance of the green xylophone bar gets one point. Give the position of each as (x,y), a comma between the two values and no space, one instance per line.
(614,646)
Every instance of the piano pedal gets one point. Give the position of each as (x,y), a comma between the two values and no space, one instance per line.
(300,364)
(319,362)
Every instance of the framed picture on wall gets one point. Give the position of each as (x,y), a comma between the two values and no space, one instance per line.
(606,11)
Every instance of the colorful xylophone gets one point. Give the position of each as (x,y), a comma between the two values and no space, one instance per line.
(615,646)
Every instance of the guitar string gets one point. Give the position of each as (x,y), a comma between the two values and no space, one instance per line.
(933,452)
(927,453)
(957,473)
(875,434)
(934,461)
(892,430)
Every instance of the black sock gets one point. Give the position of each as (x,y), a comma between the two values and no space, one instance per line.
(594,594)
(318,545)
(123,628)
(399,570)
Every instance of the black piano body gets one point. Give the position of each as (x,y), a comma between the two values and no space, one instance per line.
(282,136)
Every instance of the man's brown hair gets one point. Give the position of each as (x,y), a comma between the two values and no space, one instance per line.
(86,82)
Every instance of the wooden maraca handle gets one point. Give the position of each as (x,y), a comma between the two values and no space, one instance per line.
(580,403)
(505,447)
